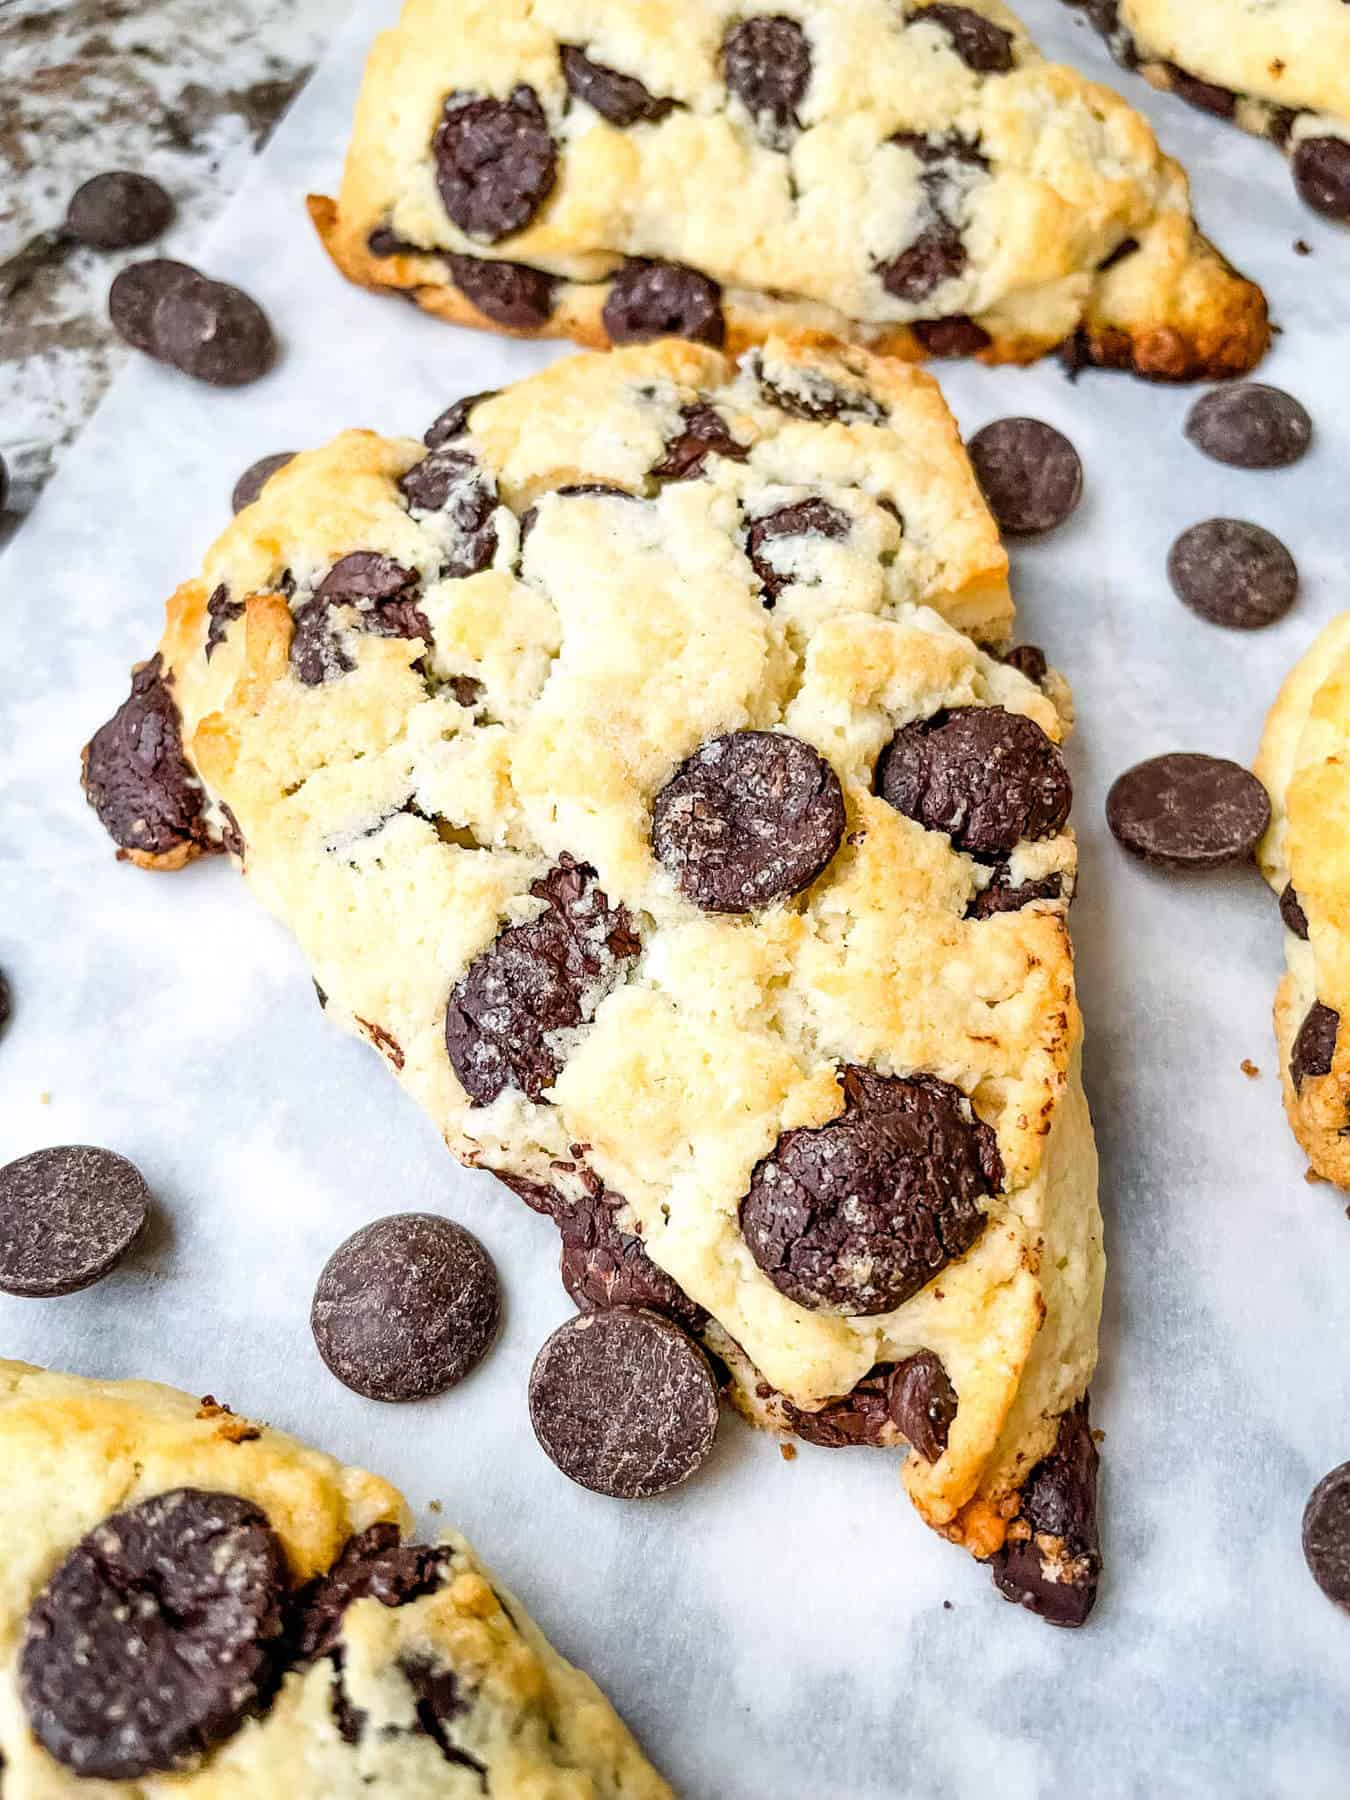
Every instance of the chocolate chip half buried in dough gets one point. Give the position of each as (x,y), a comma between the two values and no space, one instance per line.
(704,433)
(137,291)
(66,1216)
(1315,1046)
(1233,573)
(375,1563)
(658,299)
(1326,1535)
(213,332)
(1186,811)
(406,1307)
(1291,911)
(912,1400)
(767,64)
(985,776)
(1250,426)
(454,421)
(136,777)
(1322,175)
(496,162)
(804,518)
(510,294)
(1051,1559)
(118,210)
(855,1216)
(256,477)
(156,1637)
(622,99)
(748,819)
(624,1403)
(1029,473)
(981,45)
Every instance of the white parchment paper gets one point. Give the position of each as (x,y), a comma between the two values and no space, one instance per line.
(773,1630)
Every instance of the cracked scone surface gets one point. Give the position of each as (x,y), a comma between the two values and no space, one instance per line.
(913,177)
(1278,68)
(1303,761)
(401,1669)
(589,842)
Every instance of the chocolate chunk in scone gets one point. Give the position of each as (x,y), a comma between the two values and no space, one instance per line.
(1233,573)
(1315,1045)
(1002,895)
(704,433)
(979,42)
(911,1401)
(986,777)
(371,592)
(374,1563)
(804,518)
(454,421)
(657,299)
(622,99)
(1188,811)
(256,477)
(856,1216)
(1291,911)
(138,780)
(766,61)
(67,1215)
(1051,1560)
(451,484)
(156,1636)
(495,162)
(512,295)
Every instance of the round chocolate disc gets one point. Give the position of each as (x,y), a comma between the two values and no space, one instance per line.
(66,1216)
(1185,811)
(624,1403)
(1326,1535)
(1233,573)
(156,1636)
(136,293)
(985,776)
(1030,475)
(118,210)
(406,1307)
(213,332)
(1250,426)
(1322,175)
(256,477)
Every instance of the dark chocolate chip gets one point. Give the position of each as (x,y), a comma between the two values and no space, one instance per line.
(940,155)
(986,777)
(1207,96)
(983,46)
(858,1215)
(923,1403)
(1028,660)
(1250,426)
(406,1308)
(496,162)
(452,484)
(1051,1560)
(766,62)
(538,978)
(454,421)
(384,242)
(1126,247)
(156,1637)
(1322,175)
(384,597)
(136,777)
(4,483)
(438,1702)
(622,99)
(1233,573)
(508,293)
(67,1216)
(6,1001)
(804,518)
(321,997)
(1315,1046)
(221,613)
(704,434)
(624,1403)
(807,394)
(1029,473)
(372,1565)
(256,477)
(1280,123)
(1000,896)
(938,254)
(601,1265)
(1185,811)
(118,210)
(656,299)
(213,332)
(748,819)
(1291,911)
(912,1400)
(954,336)
(1326,1535)
(136,293)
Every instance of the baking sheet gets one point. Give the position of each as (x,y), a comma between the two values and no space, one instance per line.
(774,1629)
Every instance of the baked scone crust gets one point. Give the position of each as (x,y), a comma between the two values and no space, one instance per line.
(77,1451)
(1304,762)
(1070,178)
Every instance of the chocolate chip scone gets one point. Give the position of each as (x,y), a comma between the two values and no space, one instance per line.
(1279,68)
(1304,762)
(195,1604)
(912,177)
(619,765)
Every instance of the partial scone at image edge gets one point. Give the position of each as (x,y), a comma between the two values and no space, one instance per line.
(679,696)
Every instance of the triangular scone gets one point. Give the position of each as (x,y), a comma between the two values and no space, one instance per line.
(606,762)
(197,1605)
(1305,856)
(1281,71)
(912,177)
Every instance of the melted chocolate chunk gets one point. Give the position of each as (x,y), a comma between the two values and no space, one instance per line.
(1002,897)
(1185,811)
(1326,1535)
(384,242)
(118,210)
(1322,176)
(136,777)
(858,1215)
(1315,1045)
(1233,573)
(954,336)
(748,819)
(544,976)
(221,613)
(912,1400)
(986,777)
(1249,425)
(67,1216)
(1029,473)
(804,518)
(944,153)
(454,421)
(983,46)
(451,483)
(766,62)
(622,99)
(496,162)
(807,394)
(372,1565)
(657,299)
(384,596)
(1051,1561)
(938,254)
(439,1701)
(256,477)
(1291,911)
(705,434)
(1028,660)
(1206,96)
(510,294)
(1126,247)
(156,1637)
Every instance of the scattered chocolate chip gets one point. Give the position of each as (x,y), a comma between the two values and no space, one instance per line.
(495,162)
(858,1215)
(156,1637)
(406,1308)
(213,332)
(804,518)
(1322,175)
(1028,660)
(986,777)
(1206,96)
(655,299)
(1185,811)
(118,210)
(1051,1560)
(1326,1535)
(1250,426)
(1315,1045)
(452,484)
(1000,896)
(955,336)
(911,1401)
(807,394)
(67,1216)
(1291,911)
(981,45)
(256,477)
(748,819)
(622,99)
(508,293)
(383,596)
(372,1565)
(1233,573)
(136,777)
(938,254)
(1029,473)
(136,293)
(624,1403)
(766,62)
(542,977)
(454,421)
(704,434)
